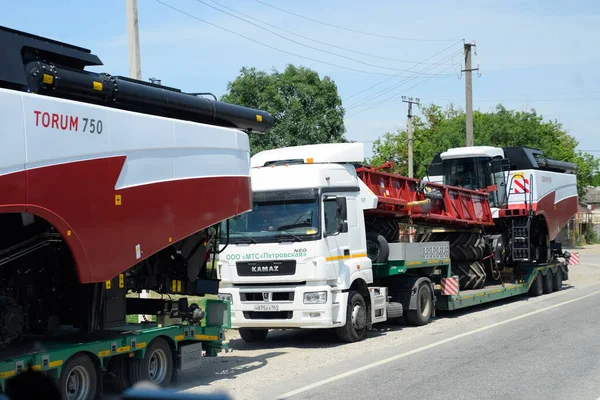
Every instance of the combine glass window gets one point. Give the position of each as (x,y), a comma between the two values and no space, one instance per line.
(471,173)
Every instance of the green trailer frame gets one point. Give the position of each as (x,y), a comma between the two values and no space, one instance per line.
(49,354)
(418,260)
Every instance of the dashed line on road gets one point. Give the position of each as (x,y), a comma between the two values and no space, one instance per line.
(427,347)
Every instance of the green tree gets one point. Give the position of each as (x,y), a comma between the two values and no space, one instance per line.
(306,109)
(438,130)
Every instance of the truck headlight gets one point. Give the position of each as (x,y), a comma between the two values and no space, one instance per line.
(226,297)
(315,298)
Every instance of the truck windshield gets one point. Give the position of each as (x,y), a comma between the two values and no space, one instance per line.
(275,221)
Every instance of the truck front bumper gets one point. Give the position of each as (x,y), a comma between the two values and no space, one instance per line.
(284,307)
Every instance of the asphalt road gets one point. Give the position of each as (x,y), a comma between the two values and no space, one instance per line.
(546,350)
(519,348)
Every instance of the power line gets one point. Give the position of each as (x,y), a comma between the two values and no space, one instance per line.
(272,47)
(353,30)
(300,43)
(395,86)
(388,79)
(319,41)
(395,96)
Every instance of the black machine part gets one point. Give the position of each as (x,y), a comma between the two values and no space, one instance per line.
(12,320)
(36,64)
(172,308)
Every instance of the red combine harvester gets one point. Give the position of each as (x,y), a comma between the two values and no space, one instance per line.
(110,185)
(504,206)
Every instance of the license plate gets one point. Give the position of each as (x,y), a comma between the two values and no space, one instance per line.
(266,307)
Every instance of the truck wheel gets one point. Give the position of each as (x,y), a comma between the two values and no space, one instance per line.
(156,366)
(78,379)
(251,335)
(422,314)
(537,287)
(378,249)
(118,369)
(557,281)
(356,319)
(548,282)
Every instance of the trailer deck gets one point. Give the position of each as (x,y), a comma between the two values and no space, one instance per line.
(432,259)
(49,354)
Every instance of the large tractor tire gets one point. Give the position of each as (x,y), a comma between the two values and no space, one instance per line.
(464,246)
(467,246)
(471,274)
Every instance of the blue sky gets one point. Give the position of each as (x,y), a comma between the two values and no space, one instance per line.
(532,54)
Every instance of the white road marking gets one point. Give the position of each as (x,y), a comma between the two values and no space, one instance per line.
(427,347)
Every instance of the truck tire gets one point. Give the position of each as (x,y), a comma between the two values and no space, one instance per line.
(378,249)
(78,378)
(118,370)
(356,319)
(557,281)
(548,282)
(537,287)
(250,335)
(156,366)
(422,315)
(471,274)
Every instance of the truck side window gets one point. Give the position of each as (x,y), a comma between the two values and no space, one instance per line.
(330,212)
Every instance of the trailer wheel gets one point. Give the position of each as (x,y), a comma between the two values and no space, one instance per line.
(378,249)
(250,335)
(537,287)
(78,379)
(356,319)
(156,366)
(548,282)
(422,314)
(118,369)
(557,281)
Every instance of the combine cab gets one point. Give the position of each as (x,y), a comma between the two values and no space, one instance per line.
(531,198)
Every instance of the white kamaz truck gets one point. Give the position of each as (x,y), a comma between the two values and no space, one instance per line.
(323,245)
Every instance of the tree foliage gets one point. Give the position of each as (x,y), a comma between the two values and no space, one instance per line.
(306,109)
(438,130)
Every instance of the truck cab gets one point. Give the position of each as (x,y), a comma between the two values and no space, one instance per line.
(294,259)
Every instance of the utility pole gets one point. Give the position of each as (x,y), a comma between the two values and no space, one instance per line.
(133,35)
(469,92)
(135,71)
(410,102)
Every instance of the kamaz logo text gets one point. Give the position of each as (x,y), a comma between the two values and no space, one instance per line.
(265,269)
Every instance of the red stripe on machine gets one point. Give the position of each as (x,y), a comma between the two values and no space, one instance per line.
(521,185)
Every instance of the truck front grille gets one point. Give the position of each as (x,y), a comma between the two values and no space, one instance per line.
(268,314)
(276,296)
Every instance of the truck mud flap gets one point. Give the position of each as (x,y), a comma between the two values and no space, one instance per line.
(190,356)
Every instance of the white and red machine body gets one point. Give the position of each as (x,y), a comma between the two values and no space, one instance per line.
(528,182)
(104,177)
(117,185)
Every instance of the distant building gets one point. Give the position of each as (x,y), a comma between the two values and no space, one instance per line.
(592,201)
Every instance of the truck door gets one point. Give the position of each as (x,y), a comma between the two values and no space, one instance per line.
(336,228)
